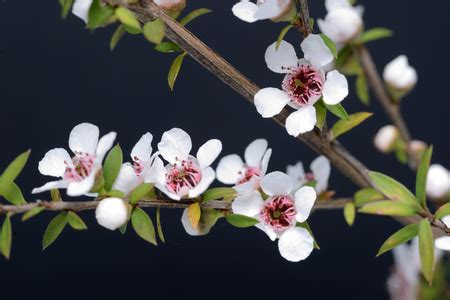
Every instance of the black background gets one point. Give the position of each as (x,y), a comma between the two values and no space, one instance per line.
(55,74)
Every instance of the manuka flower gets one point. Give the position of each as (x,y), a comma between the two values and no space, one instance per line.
(112,213)
(303,85)
(438,182)
(264,9)
(320,173)
(399,76)
(386,138)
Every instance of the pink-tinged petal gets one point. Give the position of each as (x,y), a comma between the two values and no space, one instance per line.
(254,152)
(304,202)
(245,10)
(81,8)
(84,138)
(295,244)
(157,173)
(175,144)
(143,148)
(276,184)
(60,184)
(79,188)
(301,121)
(281,59)
(228,169)
(265,161)
(55,162)
(127,179)
(248,205)
(247,187)
(171,195)
(335,88)
(321,169)
(316,52)
(208,152)
(208,176)
(270,101)
(104,144)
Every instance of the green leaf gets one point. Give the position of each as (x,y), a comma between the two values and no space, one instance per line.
(367,195)
(55,195)
(32,212)
(362,88)
(66,5)
(218,193)
(208,219)
(330,44)
(343,126)
(443,211)
(349,213)
(128,19)
(375,34)
(389,208)
(123,228)
(116,194)
(54,229)
(321,114)
(426,249)
(193,15)
(13,194)
(307,227)
(241,221)
(75,221)
(174,70)
(143,226)
(338,110)
(402,236)
(154,31)
(13,170)
(116,37)
(111,168)
(282,34)
(167,47)
(6,237)
(421,179)
(194,213)
(159,226)
(400,152)
(347,63)
(393,189)
(140,192)
(99,14)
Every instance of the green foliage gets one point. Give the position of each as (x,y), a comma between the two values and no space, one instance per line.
(321,114)
(174,70)
(330,44)
(241,221)
(375,34)
(393,189)
(338,110)
(193,15)
(13,170)
(75,221)
(129,20)
(154,31)
(159,225)
(349,213)
(111,168)
(389,208)
(347,63)
(143,226)
(32,212)
(443,211)
(343,126)
(115,193)
(13,194)
(6,237)
(366,195)
(116,37)
(219,193)
(282,34)
(167,47)
(66,5)
(208,219)
(54,229)
(401,236)
(99,14)
(426,249)
(400,152)
(362,88)
(55,195)
(421,179)
(140,192)
(194,214)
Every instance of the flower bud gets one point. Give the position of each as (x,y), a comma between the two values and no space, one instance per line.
(438,182)
(386,138)
(418,148)
(171,7)
(287,10)
(112,213)
(342,24)
(400,77)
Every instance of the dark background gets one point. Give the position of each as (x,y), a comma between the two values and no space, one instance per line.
(54,75)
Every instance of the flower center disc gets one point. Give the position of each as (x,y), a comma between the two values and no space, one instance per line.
(248,174)
(279,213)
(303,85)
(183,177)
(83,163)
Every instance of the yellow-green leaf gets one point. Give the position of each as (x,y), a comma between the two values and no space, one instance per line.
(443,211)
(421,179)
(366,195)
(321,114)
(393,189)
(128,19)
(338,110)
(349,213)
(55,195)
(116,37)
(140,192)
(154,31)
(111,168)
(402,236)
(99,14)
(13,194)
(75,221)
(375,34)
(218,193)
(143,225)
(241,221)
(6,237)
(362,88)
(174,70)
(32,212)
(343,126)
(167,47)
(282,34)
(159,225)
(13,170)
(66,5)
(193,214)
(426,249)
(193,15)
(389,208)
(54,229)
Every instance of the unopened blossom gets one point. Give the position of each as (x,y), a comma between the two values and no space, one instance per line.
(400,76)
(443,243)
(320,169)
(185,176)
(386,138)
(280,212)
(438,182)
(245,175)
(304,84)
(112,213)
(343,22)
(252,11)
(418,147)
(76,173)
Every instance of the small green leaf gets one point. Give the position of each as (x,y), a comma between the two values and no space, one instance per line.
(167,47)
(343,126)
(116,37)
(426,249)
(193,15)
(99,14)
(218,193)
(442,211)
(389,208)
(13,170)
(330,44)
(54,229)
(422,173)
(55,195)
(159,226)
(393,189)
(6,237)
(116,194)
(307,227)
(349,213)
(32,212)
(375,34)
(281,35)
(174,70)
(367,195)
(143,226)
(241,221)
(154,31)
(140,192)
(400,152)
(128,19)
(321,114)
(402,236)
(111,168)
(66,5)
(338,110)
(362,88)
(13,194)
(123,228)
(75,221)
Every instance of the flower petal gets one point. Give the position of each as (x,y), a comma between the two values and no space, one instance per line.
(296,244)
(84,138)
(228,169)
(297,174)
(321,169)
(270,9)
(254,152)
(335,88)
(208,152)
(279,60)
(60,184)
(143,148)
(276,184)
(265,161)
(55,162)
(175,144)
(248,205)
(157,173)
(247,187)
(104,144)
(81,8)
(270,101)
(268,230)
(82,187)
(304,202)
(336,4)
(301,121)
(208,176)
(316,51)
(443,243)
(245,10)
(127,179)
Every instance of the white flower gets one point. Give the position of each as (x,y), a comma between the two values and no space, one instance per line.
(303,85)
(438,182)
(280,212)
(112,213)
(343,22)
(320,172)
(443,243)
(81,8)
(386,138)
(399,75)
(263,9)
(185,176)
(245,175)
(78,172)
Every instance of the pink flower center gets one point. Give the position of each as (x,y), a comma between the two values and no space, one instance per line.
(83,163)
(279,213)
(309,176)
(138,166)
(303,85)
(248,174)
(183,177)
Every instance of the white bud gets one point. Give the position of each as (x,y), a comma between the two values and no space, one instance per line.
(418,147)
(112,213)
(386,138)
(438,182)
(400,76)
(341,24)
